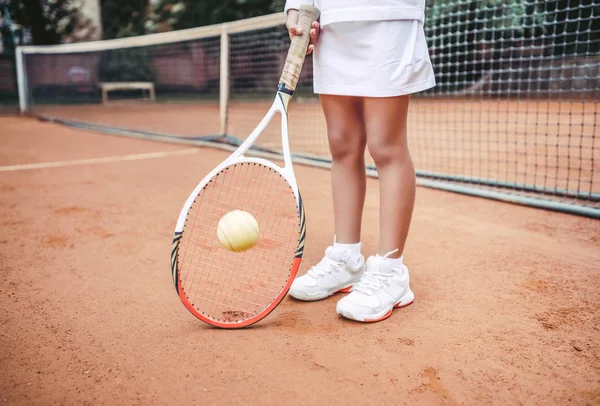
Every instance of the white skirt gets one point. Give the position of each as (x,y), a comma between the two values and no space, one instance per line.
(372,59)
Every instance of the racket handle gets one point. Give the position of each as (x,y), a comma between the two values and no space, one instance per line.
(297,52)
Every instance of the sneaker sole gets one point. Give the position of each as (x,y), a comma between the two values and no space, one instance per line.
(406,300)
(319,296)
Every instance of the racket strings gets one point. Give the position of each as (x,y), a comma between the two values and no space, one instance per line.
(228,286)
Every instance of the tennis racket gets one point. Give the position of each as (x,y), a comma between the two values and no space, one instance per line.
(233,290)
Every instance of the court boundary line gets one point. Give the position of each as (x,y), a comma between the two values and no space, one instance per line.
(100,160)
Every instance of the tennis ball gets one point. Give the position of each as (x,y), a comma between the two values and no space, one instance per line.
(237,231)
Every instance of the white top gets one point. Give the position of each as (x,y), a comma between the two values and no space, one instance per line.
(334,11)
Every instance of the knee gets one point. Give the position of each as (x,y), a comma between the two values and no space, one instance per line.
(385,153)
(346,144)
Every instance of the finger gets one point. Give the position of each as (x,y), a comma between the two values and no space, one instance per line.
(311,48)
(313,35)
(295,30)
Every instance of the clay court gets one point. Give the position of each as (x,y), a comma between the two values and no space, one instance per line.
(507,306)
(550,144)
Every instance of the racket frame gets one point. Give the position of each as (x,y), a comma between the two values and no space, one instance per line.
(237,157)
(285,90)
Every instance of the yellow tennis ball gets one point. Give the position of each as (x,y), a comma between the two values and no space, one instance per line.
(237,231)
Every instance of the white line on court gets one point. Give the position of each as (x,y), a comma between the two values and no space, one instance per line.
(135,157)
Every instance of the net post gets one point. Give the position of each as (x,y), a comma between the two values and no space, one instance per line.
(21,80)
(224,79)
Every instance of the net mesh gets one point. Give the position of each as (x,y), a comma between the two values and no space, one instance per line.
(515,108)
(185,77)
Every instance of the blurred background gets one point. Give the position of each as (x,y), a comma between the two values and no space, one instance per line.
(466,38)
(49,22)
(514,109)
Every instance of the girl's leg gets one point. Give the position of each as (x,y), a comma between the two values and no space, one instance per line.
(343,264)
(385,284)
(347,141)
(387,142)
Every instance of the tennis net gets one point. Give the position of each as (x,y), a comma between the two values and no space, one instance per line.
(513,116)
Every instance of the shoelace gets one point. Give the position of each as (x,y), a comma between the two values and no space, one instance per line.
(373,279)
(325,266)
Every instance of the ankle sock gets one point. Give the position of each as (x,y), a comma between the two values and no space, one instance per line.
(395,263)
(353,249)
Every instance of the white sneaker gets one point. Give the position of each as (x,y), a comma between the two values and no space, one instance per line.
(331,275)
(380,290)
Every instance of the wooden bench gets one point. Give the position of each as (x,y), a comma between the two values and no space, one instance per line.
(110,86)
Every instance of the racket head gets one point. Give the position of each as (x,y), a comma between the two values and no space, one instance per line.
(228,289)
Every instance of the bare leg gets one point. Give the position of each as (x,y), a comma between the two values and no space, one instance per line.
(347,142)
(387,141)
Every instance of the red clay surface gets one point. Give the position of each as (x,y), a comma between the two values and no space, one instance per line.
(507,306)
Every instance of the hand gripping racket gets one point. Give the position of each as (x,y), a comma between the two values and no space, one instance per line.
(233,290)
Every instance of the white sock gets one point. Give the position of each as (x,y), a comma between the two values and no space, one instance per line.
(354,250)
(395,263)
